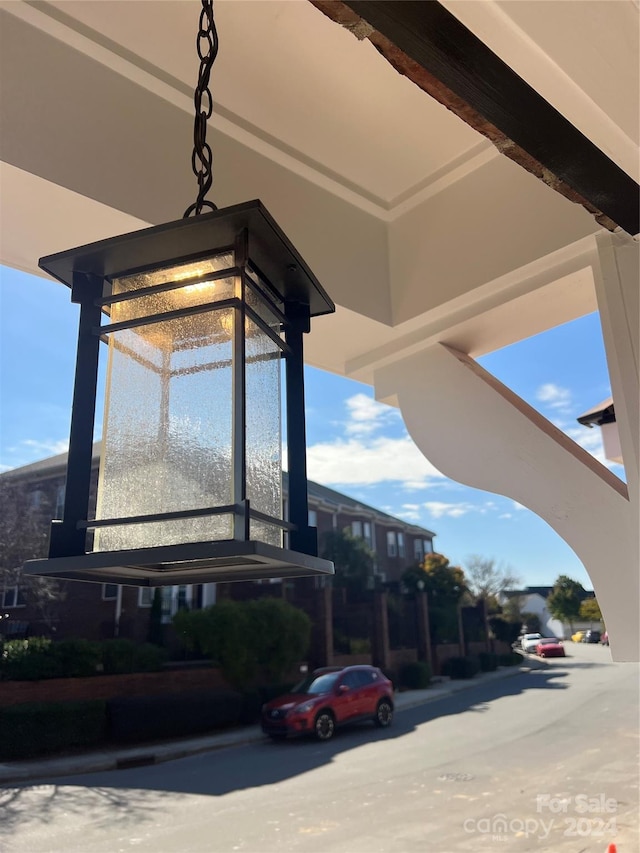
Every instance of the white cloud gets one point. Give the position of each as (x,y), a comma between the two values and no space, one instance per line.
(506,515)
(410,512)
(554,396)
(367,415)
(365,461)
(32,450)
(359,458)
(518,507)
(439,508)
(48,448)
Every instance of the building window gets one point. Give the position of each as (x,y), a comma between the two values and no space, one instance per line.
(356,529)
(392,548)
(145,596)
(59,509)
(175,598)
(313,518)
(36,499)
(400,544)
(428,546)
(167,601)
(183,599)
(417,549)
(12,597)
(109,591)
(366,532)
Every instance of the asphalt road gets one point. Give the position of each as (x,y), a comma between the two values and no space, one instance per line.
(543,761)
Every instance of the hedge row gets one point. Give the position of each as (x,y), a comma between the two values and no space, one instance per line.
(39,658)
(33,729)
(139,718)
(415,676)
(468,667)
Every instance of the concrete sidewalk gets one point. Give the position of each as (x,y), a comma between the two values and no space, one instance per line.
(121,758)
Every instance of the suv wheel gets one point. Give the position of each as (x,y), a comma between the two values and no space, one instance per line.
(324,725)
(384,714)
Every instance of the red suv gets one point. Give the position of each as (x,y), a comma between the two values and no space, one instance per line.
(329,698)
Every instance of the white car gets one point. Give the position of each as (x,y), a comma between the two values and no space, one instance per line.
(530,641)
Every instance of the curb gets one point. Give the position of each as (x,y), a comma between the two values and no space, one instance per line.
(121,759)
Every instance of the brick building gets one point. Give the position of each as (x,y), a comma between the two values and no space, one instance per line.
(35,493)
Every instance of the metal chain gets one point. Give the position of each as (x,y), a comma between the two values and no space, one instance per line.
(202,157)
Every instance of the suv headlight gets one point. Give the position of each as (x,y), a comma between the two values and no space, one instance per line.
(304,708)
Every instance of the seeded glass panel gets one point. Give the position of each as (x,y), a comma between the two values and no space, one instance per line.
(195,286)
(167,428)
(263,435)
(188,295)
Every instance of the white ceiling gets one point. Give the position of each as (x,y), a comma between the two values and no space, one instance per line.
(411,219)
(292,77)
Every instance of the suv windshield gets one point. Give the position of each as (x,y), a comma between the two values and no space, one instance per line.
(317,683)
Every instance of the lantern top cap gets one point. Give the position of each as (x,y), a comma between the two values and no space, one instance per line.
(163,245)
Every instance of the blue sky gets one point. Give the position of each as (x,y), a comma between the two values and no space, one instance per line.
(354,444)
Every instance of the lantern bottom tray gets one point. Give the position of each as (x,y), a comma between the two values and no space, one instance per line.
(195,562)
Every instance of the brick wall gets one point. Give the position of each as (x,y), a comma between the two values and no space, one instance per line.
(109,686)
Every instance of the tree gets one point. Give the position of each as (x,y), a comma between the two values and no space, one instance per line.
(24,535)
(445,586)
(590,610)
(352,557)
(155,632)
(504,630)
(531,623)
(512,608)
(444,583)
(486,579)
(565,599)
(23,532)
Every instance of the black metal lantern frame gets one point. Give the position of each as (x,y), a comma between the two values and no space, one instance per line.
(221,297)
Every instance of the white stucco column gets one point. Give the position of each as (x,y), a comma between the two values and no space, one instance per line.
(616,272)
(477,431)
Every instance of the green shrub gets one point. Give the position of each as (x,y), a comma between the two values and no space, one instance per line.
(461,667)
(118,656)
(280,636)
(220,632)
(488,661)
(42,728)
(27,660)
(415,676)
(245,638)
(510,659)
(38,658)
(360,646)
(75,658)
(149,658)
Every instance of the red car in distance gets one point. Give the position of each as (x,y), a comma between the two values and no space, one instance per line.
(550,648)
(328,698)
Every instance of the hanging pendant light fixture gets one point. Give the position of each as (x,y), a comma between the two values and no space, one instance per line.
(197,316)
